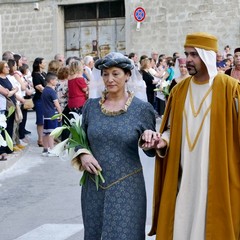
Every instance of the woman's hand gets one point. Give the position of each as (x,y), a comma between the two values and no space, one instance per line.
(89,163)
(152,140)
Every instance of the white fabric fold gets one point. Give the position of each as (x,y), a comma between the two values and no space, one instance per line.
(209,59)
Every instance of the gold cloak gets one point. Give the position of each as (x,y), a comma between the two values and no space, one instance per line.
(223,199)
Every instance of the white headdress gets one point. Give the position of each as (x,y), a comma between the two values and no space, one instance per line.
(209,59)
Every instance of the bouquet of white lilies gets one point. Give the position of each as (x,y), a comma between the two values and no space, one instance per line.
(3,124)
(163,87)
(76,139)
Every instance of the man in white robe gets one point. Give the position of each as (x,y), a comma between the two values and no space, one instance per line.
(196,154)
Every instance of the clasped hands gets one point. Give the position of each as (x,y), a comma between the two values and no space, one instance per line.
(152,139)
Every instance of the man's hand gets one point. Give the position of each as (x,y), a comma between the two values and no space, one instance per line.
(152,140)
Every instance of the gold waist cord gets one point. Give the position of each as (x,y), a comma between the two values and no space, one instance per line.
(117,181)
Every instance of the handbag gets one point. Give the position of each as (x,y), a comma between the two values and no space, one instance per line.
(28,104)
(10,103)
(18,114)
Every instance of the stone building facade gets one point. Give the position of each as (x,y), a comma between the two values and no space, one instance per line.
(38,28)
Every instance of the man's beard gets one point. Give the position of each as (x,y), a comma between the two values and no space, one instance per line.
(191,70)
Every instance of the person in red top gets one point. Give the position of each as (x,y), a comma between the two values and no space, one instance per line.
(77,88)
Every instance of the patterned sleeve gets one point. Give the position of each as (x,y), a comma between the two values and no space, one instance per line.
(148,122)
(149,119)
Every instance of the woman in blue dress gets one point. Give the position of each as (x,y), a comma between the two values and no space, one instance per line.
(114,125)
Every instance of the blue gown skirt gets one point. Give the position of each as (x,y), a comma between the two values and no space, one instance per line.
(117,213)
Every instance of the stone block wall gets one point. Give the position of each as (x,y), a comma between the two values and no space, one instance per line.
(167,23)
(29,32)
(41,33)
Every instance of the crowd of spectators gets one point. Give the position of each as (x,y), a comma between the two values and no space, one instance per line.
(78,80)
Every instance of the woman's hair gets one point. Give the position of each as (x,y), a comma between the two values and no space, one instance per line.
(142,57)
(2,63)
(131,55)
(75,67)
(70,59)
(227,46)
(170,62)
(124,69)
(63,73)
(36,63)
(144,63)
(160,60)
(23,69)
(17,57)
(7,55)
(11,64)
(54,66)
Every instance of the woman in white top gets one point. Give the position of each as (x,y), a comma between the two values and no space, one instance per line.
(20,100)
(25,91)
(3,101)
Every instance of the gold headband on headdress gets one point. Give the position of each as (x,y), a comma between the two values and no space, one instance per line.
(202,40)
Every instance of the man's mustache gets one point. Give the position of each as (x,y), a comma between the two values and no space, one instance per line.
(190,65)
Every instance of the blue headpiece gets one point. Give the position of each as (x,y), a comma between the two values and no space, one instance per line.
(114,59)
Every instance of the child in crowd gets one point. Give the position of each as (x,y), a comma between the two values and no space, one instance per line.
(50,107)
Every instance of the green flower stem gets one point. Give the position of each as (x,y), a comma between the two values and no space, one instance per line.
(98,178)
(97,181)
(83,178)
(101,177)
(56,116)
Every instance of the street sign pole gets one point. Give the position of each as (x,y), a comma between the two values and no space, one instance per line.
(139,15)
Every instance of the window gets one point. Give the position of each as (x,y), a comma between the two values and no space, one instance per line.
(111,9)
(100,10)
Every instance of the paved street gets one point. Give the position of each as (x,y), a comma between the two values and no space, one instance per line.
(40,196)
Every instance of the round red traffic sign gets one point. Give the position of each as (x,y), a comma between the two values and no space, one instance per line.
(139,14)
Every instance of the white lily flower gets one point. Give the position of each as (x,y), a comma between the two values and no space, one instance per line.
(3,120)
(76,118)
(64,155)
(2,141)
(58,131)
(67,154)
(165,84)
(59,148)
(71,153)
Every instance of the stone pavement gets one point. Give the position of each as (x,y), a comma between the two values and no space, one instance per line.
(12,159)
(15,156)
